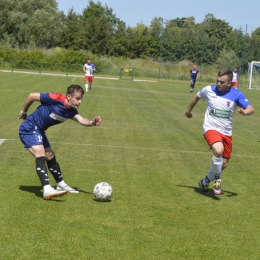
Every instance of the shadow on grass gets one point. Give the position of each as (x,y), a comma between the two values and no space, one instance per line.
(83,191)
(101,201)
(37,190)
(211,193)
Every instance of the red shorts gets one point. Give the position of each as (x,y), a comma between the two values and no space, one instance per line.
(233,83)
(213,136)
(89,79)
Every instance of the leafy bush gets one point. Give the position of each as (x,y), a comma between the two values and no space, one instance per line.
(70,61)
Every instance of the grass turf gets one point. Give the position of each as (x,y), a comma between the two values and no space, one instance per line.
(151,155)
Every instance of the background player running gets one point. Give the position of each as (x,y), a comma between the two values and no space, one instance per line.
(55,108)
(194,74)
(88,68)
(234,82)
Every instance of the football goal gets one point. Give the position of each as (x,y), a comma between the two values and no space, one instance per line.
(126,73)
(254,75)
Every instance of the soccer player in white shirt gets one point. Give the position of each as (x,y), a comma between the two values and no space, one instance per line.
(222,101)
(88,68)
(234,82)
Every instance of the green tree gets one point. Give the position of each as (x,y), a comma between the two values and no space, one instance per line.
(227,59)
(253,46)
(99,26)
(156,27)
(119,43)
(72,37)
(30,23)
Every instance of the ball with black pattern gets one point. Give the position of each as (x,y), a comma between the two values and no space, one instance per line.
(103,191)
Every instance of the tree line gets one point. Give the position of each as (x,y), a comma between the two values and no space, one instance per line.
(31,24)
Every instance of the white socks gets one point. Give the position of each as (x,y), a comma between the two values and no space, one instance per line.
(215,170)
(61,184)
(217,164)
(210,176)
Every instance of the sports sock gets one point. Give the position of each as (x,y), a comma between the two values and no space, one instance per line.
(209,177)
(61,183)
(206,181)
(41,170)
(54,169)
(217,166)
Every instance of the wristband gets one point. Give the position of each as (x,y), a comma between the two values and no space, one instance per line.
(91,123)
(23,113)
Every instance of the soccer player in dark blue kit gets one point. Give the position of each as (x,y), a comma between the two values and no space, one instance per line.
(194,73)
(55,108)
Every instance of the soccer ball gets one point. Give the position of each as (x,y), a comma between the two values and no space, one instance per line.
(103,191)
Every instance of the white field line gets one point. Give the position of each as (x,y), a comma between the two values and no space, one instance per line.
(138,148)
(70,75)
(116,97)
(54,74)
(145,80)
(2,140)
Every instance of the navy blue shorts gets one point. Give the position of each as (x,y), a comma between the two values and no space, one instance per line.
(192,80)
(30,135)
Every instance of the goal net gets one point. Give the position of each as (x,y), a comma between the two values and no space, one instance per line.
(254,75)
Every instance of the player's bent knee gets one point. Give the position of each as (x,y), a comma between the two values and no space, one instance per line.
(49,154)
(51,162)
(218,154)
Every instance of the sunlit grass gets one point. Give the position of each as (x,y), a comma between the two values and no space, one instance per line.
(152,156)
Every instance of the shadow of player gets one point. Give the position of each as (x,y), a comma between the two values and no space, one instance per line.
(211,193)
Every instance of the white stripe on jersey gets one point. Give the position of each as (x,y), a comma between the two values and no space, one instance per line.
(220,108)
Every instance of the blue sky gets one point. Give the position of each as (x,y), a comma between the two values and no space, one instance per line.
(239,13)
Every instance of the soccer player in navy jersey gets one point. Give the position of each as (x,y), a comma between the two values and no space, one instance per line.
(194,73)
(55,108)
(217,127)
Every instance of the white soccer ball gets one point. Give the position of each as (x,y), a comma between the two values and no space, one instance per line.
(103,191)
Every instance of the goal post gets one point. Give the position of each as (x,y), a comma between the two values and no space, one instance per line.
(254,75)
(126,73)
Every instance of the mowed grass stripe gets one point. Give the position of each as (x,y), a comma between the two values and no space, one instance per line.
(152,156)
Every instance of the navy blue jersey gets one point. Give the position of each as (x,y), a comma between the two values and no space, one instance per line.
(194,73)
(52,111)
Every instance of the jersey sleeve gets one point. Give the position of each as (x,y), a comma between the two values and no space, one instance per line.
(51,98)
(202,94)
(242,101)
(44,98)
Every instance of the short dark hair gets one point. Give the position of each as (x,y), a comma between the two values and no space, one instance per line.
(227,72)
(75,88)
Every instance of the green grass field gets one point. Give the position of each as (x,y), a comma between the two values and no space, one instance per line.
(151,154)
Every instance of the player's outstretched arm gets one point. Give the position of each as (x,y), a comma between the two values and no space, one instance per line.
(30,99)
(87,122)
(249,110)
(192,104)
